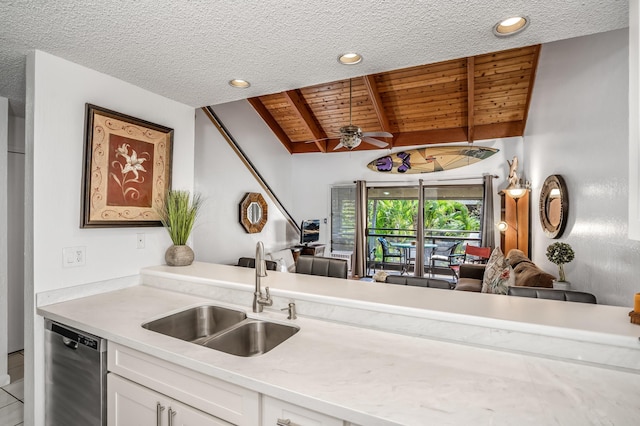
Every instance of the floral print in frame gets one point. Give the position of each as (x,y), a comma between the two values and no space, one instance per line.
(127,170)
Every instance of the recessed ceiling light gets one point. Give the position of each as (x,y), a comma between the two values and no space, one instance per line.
(350,58)
(238,83)
(511,26)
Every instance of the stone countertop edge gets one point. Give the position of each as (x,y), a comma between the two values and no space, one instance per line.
(601,324)
(334,376)
(201,359)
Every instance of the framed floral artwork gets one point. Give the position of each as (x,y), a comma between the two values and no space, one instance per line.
(127,170)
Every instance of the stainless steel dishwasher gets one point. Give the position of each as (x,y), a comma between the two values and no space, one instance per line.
(75,377)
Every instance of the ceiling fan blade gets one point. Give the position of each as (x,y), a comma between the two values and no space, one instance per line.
(378,134)
(375,142)
(338,146)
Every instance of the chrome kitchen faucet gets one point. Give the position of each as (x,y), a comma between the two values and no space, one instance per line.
(261,271)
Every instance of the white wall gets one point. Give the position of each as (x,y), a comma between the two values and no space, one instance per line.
(223,180)
(303,182)
(57,91)
(4,131)
(578,128)
(318,172)
(634,121)
(15,235)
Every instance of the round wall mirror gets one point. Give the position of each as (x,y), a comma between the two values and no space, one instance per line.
(253,212)
(554,206)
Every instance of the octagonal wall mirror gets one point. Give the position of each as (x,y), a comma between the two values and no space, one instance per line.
(253,212)
(554,206)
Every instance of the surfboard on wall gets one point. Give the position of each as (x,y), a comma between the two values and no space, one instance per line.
(430,160)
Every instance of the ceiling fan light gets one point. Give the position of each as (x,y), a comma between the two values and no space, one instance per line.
(239,83)
(350,58)
(510,26)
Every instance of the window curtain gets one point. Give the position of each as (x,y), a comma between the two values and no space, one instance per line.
(360,257)
(418,270)
(487,237)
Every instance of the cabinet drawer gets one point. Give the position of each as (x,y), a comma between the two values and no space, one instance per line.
(276,412)
(224,400)
(130,404)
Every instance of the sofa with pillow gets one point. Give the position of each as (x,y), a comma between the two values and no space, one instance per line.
(501,272)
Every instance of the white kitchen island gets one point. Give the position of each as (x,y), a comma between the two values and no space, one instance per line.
(437,356)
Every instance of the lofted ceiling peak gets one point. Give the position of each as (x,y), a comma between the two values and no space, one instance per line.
(474,98)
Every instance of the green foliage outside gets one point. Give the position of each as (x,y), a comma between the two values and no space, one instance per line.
(399,217)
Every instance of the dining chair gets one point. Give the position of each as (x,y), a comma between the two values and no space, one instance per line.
(250,262)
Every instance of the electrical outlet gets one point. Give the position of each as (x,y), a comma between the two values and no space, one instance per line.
(73,256)
(140,240)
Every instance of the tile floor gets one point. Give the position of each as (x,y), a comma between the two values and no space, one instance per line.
(12,395)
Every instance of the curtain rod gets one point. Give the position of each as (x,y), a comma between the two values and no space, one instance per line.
(427,182)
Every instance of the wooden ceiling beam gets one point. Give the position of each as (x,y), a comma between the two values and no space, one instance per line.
(376,101)
(459,134)
(305,148)
(470,97)
(302,111)
(264,113)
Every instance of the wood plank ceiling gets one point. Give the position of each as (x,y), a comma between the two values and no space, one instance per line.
(468,99)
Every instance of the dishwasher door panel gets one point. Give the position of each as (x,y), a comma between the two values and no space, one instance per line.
(75,377)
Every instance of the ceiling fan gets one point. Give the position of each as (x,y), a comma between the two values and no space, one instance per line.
(351,135)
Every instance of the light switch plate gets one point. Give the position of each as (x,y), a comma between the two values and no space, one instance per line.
(73,256)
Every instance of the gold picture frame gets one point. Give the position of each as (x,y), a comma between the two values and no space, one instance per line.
(127,170)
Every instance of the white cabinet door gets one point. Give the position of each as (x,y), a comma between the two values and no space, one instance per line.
(184,415)
(130,404)
(223,400)
(280,413)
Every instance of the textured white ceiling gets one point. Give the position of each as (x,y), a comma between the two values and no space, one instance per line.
(188,50)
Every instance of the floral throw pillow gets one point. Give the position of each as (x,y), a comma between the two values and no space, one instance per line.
(501,283)
(495,266)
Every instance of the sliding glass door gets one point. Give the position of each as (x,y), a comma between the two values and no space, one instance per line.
(452,218)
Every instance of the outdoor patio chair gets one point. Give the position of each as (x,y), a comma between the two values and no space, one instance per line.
(445,254)
(389,252)
(473,254)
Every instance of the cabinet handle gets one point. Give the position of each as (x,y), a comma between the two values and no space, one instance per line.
(284,422)
(171,414)
(159,409)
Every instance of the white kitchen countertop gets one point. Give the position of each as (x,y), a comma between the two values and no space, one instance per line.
(366,376)
(602,324)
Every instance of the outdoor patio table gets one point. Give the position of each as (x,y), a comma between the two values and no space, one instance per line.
(406,250)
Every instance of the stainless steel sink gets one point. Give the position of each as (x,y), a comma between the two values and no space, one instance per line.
(196,324)
(223,329)
(252,337)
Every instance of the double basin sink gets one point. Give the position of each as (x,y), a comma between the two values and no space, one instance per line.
(223,329)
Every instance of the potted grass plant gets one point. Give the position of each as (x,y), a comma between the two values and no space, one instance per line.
(178,215)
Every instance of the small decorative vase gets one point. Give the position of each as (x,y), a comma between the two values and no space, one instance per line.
(179,256)
(562,285)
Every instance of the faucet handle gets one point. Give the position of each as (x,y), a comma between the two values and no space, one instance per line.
(265,301)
